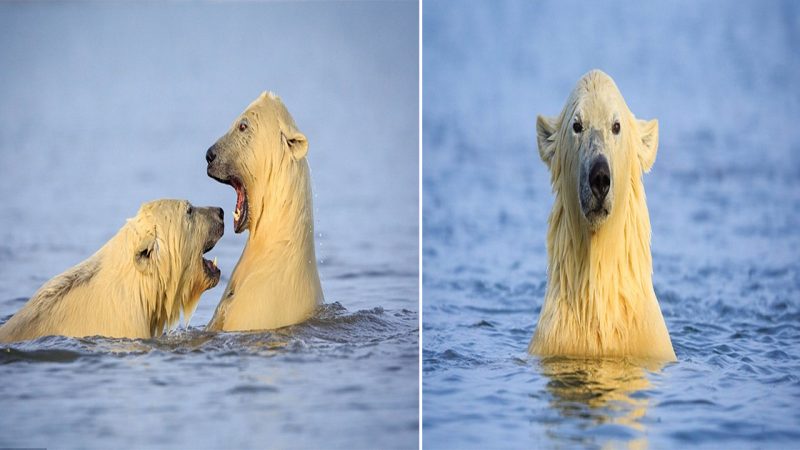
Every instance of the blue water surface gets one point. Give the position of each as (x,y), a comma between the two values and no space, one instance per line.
(108,105)
(724,200)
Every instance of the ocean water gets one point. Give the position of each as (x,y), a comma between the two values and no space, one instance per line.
(106,106)
(724,201)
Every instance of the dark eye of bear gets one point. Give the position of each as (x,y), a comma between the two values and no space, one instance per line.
(615,128)
(242,126)
(189,210)
(577,127)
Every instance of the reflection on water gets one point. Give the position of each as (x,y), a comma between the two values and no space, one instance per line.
(596,392)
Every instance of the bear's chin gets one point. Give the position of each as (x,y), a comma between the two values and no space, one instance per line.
(211,272)
(596,218)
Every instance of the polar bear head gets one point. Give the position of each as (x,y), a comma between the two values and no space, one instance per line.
(168,241)
(261,155)
(595,147)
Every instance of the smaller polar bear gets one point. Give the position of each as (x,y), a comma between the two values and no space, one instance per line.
(600,299)
(137,284)
(263,157)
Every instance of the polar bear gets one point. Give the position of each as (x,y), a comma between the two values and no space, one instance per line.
(137,284)
(600,299)
(263,157)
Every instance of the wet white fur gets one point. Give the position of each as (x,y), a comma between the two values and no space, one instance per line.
(275,283)
(600,299)
(114,292)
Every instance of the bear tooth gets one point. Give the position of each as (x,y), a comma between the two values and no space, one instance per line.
(214,262)
(236,215)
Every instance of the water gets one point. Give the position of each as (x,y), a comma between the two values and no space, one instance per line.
(108,106)
(724,199)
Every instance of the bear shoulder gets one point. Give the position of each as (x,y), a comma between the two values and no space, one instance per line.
(51,293)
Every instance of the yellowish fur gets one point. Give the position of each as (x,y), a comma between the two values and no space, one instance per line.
(136,286)
(599,383)
(600,299)
(275,283)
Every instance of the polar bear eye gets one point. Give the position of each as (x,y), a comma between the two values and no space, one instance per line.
(615,128)
(577,127)
(242,125)
(189,210)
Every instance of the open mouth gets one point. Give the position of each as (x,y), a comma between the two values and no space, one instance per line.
(240,213)
(240,218)
(210,267)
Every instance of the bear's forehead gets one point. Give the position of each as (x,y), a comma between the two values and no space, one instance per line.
(596,99)
(269,104)
(163,206)
(596,80)
(598,105)
(267,99)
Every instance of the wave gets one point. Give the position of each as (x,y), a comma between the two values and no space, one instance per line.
(331,325)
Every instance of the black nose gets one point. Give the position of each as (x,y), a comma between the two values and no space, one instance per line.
(220,213)
(211,155)
(600,178)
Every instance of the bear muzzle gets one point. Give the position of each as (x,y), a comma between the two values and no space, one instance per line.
(600,178)
(595,190)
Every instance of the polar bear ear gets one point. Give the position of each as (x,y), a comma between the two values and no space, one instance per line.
(648,132)
(546,128)
(145,252)
(296,144)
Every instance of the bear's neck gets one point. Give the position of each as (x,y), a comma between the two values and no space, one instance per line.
(158,296)
(604,276)
(283,219)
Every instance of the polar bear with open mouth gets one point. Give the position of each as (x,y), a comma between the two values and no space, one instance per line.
(136,286)
(263,157)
